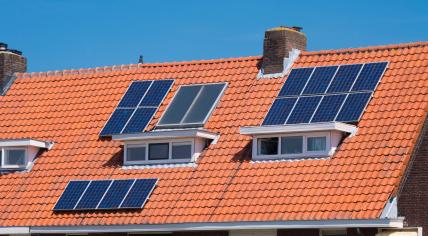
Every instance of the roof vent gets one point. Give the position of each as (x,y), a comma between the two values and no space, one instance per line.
(278,43)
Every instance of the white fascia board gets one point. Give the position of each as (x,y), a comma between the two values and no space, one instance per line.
(14,230)
(298,128)
(166,134)
(314,224)
(25,142)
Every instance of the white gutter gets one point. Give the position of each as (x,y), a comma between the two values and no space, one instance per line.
(14,230)
(167,134)
(307,224)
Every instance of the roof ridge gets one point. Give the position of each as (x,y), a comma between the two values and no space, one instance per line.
(125,67)
(368,48)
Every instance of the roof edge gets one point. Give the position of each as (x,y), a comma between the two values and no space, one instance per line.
(350,223)
(367,48)
(126,67)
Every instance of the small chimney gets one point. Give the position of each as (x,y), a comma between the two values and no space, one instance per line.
(11,61)
(278,43)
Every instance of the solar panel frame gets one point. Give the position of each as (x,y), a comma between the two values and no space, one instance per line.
(90,198)
(328,92)
(149,193)
(378,80)
(123,197)
(303,112)
(191,125)
(291,80)
(65,189)
(271,113)
(172,81)
(321,103)
(362,109)
(335,76)
(335,68)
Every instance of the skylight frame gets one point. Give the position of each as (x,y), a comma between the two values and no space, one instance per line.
(182,125)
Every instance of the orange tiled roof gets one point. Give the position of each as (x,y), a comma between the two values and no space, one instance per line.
(70,108)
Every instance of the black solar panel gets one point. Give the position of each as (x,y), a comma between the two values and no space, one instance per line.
(343,93)
(137,107)
(105,194)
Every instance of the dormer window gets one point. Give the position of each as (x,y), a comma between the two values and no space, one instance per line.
(293,145)
(14,158)
(165,146)
(297,141)
(20,154)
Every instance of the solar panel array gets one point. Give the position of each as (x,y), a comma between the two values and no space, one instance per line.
(137,107)
(323,94)
(105,194)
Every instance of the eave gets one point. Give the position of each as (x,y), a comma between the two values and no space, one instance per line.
(298,128)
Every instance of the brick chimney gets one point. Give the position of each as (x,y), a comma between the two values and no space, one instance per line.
(11,61)
(278,43)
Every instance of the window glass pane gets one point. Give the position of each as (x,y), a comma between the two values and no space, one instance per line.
(182,150)
(158,151)
(268,146)
(136,154)
(316,144)
(202,106)
(292,145)
(180,104)
(15,157)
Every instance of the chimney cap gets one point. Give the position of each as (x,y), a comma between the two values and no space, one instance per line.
(284,27)
(15,51)
(3,46)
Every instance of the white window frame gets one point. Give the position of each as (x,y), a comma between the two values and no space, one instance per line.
(3,158)
(166,161)
(305,153)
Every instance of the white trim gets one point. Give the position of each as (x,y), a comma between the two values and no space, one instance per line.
(25,142)
(308,224)
(312,127)
(14,230)
(167,134)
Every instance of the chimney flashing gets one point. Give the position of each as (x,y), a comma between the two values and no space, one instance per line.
(287,64)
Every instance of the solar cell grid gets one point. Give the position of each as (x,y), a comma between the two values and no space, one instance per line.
(342,85)
(105,194)
(93,194)
(353,107)
(279,111)
(139,193)
(134,94)
(71,195)
(344,78)
(320,80)
(304,109)
(295,82)
(369,76)
(137,107)
(115,194)
(328,108)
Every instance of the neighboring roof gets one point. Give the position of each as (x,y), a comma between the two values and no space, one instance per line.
(71,107)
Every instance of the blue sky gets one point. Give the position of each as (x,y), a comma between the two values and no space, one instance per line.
(58,34)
